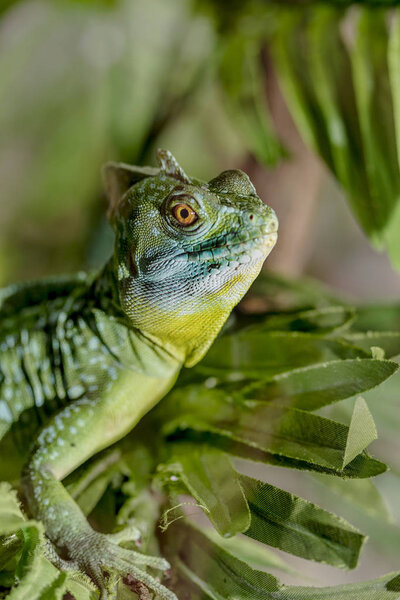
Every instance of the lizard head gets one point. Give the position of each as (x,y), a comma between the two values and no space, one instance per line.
(186,251)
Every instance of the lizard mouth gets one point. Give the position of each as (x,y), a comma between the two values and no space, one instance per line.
(254,248)
(235,250)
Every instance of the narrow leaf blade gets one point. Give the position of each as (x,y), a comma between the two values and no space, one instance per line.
(212,570)
(312,387)
(389,341)
(323,320)
(212,481)
(280,431)
(256,353)
(292,524)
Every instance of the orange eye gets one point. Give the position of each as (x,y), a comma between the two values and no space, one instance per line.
(184,214)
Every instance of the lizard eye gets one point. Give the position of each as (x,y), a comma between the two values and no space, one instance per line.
(184,214)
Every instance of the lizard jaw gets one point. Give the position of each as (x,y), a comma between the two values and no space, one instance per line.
(219,259)
(253,248)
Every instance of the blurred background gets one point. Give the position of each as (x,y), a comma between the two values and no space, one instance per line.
(82,83)
(304,98)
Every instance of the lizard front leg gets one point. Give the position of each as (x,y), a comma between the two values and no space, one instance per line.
(70,438)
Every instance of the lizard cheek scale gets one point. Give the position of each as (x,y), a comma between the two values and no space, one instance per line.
(88,356)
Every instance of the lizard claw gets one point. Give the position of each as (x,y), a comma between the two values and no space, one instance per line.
(99,555)
(136,586)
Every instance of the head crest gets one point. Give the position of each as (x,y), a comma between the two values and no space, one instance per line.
(170,166)
(120,177)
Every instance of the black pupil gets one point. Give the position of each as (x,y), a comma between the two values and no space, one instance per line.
(184,213)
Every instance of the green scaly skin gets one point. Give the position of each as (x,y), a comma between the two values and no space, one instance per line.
(85,358)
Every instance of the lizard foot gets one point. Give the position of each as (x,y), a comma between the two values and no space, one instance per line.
(98,555)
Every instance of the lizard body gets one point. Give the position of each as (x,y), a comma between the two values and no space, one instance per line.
(82,359)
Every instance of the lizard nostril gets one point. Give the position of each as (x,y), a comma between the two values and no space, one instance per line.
(251,217)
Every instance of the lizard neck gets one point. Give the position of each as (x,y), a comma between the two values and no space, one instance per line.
(187,341)
(104,290)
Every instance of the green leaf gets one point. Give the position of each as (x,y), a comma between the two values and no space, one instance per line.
(361,467)
(287,432)
(369,57)
(389,341)
(212,570)
(332,78)
(10,545)
(34,573)
(322,321)
(211,573)
(336,79)
(251,552)
(257,353)
(362,431)
(377,317)
(289,51)
(391,234)
(324,44)
(11,517)
(79,590)
(294,525)
(384,588)
(241,76)
(393,56)
(210,478)
(10,550)
(310,388)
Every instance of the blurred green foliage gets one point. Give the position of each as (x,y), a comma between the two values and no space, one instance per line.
(84,83)
(81,83)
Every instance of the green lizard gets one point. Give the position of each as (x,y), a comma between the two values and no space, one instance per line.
(83,359)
